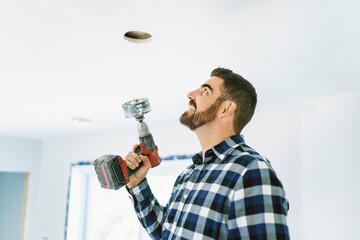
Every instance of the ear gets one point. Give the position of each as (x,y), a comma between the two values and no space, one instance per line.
(227,108)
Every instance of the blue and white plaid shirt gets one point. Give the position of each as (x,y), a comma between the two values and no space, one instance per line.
(233,194)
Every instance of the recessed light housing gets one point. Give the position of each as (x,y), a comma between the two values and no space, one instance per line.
(137,37)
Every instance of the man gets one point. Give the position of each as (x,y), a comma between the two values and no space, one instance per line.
(230,192)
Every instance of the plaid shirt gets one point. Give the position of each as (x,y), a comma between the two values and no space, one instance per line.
(233,194)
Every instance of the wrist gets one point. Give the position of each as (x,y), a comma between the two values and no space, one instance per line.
(130,185)
(133,182)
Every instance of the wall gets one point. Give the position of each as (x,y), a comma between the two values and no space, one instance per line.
(331,163)
(23,155)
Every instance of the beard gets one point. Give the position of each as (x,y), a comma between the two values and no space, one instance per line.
(194,120)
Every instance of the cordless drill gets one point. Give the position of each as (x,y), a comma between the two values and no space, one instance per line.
(111,170)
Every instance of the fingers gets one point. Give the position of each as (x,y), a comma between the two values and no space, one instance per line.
(142,172)
(145,160)
(132,160)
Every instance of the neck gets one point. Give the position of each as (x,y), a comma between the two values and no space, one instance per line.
(211,134)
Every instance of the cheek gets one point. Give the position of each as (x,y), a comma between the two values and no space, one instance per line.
(202,106)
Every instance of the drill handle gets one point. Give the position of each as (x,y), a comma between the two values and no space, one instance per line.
(132,171)
(140,149)
(151,154)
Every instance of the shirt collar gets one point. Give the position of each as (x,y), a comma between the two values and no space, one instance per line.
(221,150)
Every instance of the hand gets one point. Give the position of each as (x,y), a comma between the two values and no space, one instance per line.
(132,161)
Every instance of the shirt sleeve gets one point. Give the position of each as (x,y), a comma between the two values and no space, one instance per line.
(258,205)
(148,210)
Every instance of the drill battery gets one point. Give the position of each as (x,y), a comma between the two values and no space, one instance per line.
(112,171)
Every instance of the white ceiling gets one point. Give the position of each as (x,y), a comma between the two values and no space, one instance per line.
(64,59)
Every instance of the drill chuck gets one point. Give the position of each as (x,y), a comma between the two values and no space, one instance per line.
(143,129)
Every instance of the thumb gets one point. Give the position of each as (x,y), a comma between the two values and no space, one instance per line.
(145,160)
(134,147)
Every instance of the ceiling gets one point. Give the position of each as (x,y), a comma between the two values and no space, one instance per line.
(65,59)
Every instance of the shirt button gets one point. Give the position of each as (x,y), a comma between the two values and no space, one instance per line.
(185,196)
(136,191)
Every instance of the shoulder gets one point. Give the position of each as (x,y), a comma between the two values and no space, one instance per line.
(257,177)
(253,168)
(242,158)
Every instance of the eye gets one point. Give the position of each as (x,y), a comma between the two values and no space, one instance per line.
(204,91)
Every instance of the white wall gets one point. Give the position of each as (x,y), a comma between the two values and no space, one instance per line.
(23,155)
(331,164)
(312,146)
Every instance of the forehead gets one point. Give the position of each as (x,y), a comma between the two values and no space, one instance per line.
(215,83)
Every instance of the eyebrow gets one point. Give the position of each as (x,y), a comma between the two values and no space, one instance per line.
(207,86)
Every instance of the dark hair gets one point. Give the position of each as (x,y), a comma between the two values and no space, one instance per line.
(242,92)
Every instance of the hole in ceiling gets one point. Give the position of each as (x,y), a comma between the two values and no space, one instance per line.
(137,37)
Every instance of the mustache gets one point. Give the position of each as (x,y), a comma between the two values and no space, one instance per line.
(192,103)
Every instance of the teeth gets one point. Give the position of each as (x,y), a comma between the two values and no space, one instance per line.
(191,107)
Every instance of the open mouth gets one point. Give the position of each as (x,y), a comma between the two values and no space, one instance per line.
(192,105)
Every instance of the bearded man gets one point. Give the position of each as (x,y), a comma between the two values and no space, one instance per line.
(230,191)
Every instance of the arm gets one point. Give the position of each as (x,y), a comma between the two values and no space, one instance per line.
(258,205)
(148,210)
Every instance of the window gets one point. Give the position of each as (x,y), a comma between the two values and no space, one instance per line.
(102,214)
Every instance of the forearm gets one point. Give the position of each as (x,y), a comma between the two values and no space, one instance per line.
(148,210)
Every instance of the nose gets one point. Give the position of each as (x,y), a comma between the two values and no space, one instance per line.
(192,95)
